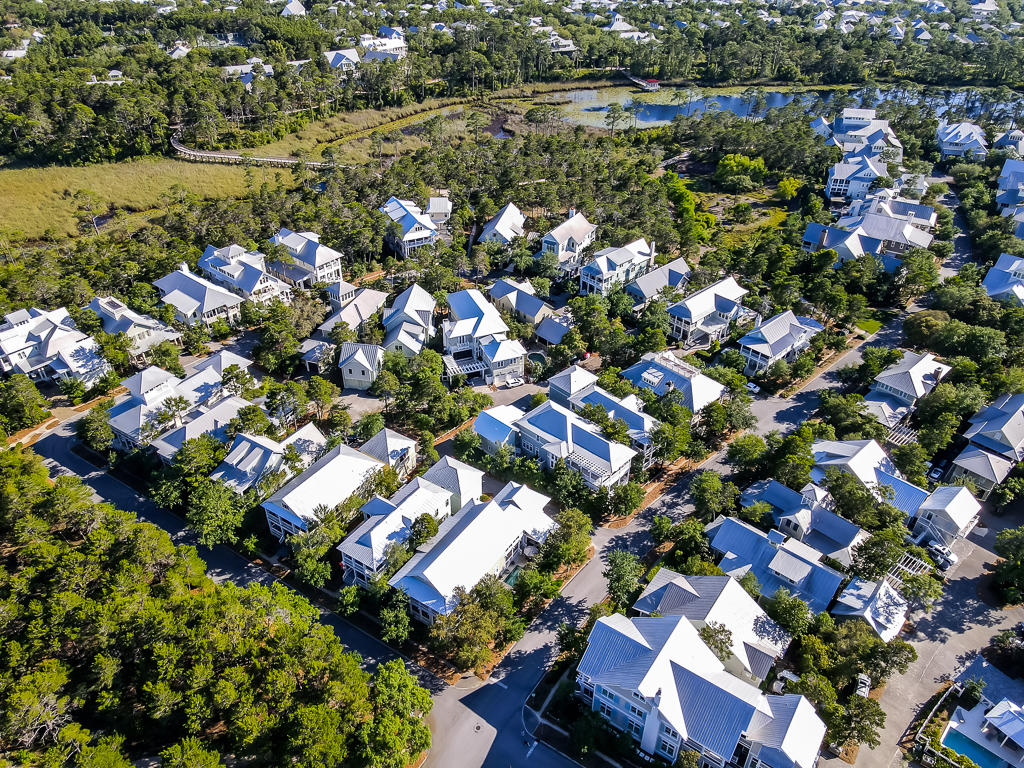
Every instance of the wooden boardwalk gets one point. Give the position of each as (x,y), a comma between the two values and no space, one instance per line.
(237,158)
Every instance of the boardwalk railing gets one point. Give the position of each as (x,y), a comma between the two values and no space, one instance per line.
(236,158)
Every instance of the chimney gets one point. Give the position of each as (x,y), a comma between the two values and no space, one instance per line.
(183,267)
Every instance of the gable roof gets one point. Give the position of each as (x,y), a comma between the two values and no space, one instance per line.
(999,427)
(253,456)
(674,274)
(305,247)
(389,447)
(781,333)
(576,227)
(662,372)
(915,375)
(456,477)
(369,356)
(413,305)
(723,296)
(473,315)
(408,216)
(877,603)
(506,225)
(192,295)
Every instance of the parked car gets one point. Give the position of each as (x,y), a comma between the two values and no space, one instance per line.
(863,685)
(940,552)
(753,388)
(514,382)
(937,472)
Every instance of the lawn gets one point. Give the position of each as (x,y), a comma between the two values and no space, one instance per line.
(40,199)
(871,324)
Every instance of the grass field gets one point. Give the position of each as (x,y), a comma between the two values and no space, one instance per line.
(40,199)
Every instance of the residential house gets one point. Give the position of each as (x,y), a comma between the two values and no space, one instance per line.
(848,245)
(808,517)
(506,225)
(410,229)
(197,300)
(360,364)
(1005,279)
(647,287)
(387,523)
(311,261)
(384,48)
(991,733)
(655,679)
(317,356)
(463,482)
(576,388)
(886,202)
(132,418)
(663,372)
(409,322)
(210,419)
(962,140)
(779,339)
(567,242)
(853,178)
(345,59)
(897,389)
(222,360)
(756,642)
(143,331)
(340,293)
(243,272)
(997,430)
(877,603)
(476,340)
(949,513)
(706,314)
(439,209)
(483,538)
(1010,184)
(293,8)
(519,299)
(776,560)
(363,305)
(1012,141)
(331,480)
(551,432)
(619,266)
(897,235)
(253,458)
(552,330)
(394,449)
(46,345)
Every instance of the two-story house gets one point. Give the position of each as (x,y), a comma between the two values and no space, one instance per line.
(311,261)
(48,346)
(143,331)
(663,372)
(853,177)
(995,438)
(243,272)
(567,242)
(613,266)
(410,227)
(196,300)
(779,338)
(656,680)
(360,364)
(409,322)
(506,225)
(481,539)
(897,389)
(962,140)
(706,314)
(519,299)
(254,458)
(476,340)
(394,449)
(1004,281)
(672,276)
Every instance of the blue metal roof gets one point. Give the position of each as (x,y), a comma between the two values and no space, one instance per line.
(491,429)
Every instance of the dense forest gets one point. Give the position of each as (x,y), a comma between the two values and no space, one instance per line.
(118,646)
(52,109)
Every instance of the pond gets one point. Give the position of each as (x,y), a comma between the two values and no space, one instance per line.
(589,106)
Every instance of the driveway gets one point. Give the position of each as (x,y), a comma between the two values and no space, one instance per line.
(946,639)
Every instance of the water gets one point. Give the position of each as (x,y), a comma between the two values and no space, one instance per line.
(589,106)
(536,357)
(964,746)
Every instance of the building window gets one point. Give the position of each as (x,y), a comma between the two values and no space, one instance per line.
(605,709)
(666,747)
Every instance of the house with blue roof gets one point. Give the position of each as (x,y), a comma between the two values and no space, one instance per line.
(476,341)
(411,228)
(776,560)
(519,299)
(552,329)
(616,266)
(663,372)
(647,287)
(808,517)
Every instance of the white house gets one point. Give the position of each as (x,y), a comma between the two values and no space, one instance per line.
(48,346)
(616,265)
(853,178)
(197,300)
(995,438)
(647,287)
(331,480)
(252,458)
(394,449)
(463,482)
(551,432)
(780,338)
(756,641)
(345,59)
(896,389)
(293,8)
(961,140)
(663,372)
(387,523)
(1005,279)
(354,313)
(476,340)
(360,364)
(312,261)
(655,679)
(576,388)
(707,313)
(409,322)
(505,227)
(209,419)
(877,603)
(481,539)
(519,299)
(949,513)
(568,240)
(410,229)
(243,272)
(144,331)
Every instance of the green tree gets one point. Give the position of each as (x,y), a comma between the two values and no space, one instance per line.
(423,529)
(921,590)
(94,428)
(623,574)
(397,734)
(322,394)
(317,738)
(876,555)
(215,512)
(569,541)
(237,381)
(1009,575)
(713,497)
(789,611)
(395,624)
(21,404)
(718,638)
(858,722)
(189,753)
